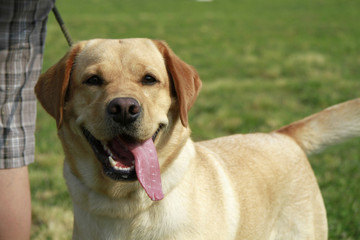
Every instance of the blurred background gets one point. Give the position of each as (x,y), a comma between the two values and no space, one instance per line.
(263,64)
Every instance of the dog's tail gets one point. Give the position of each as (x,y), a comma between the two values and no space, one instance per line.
(330,126)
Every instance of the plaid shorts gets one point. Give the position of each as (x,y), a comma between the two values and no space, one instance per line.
(22,38)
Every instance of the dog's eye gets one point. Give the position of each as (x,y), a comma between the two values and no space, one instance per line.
(94,81)
(148,80)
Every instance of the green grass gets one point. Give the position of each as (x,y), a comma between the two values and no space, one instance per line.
(263,64)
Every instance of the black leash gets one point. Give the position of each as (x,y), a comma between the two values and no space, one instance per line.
(62,26)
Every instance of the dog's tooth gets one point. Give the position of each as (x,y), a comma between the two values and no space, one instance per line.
(112,161)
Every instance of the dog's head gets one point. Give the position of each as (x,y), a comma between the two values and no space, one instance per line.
(124,97)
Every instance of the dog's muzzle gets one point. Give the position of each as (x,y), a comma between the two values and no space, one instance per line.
(125,157)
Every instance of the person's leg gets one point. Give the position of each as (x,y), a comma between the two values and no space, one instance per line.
(22,38)
(15,207)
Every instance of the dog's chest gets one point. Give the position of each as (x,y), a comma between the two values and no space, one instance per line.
(155,223)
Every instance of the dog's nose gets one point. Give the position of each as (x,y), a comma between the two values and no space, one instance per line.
(124,110)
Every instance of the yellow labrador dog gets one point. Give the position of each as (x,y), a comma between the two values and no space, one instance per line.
(133,172)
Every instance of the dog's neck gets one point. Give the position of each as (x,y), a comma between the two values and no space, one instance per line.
(77,170)
(98,210)
(135,199)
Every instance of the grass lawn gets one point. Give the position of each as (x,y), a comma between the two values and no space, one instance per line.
(263,64)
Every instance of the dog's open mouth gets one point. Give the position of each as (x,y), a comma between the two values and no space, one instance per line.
(130,160)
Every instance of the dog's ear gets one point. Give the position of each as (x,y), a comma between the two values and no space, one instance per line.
(52,85)
(185,78)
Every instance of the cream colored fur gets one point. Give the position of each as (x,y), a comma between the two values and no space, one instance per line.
(251,186)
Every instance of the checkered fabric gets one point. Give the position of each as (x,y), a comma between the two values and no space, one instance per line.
(22,38)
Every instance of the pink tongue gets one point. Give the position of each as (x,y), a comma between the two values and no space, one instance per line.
(148,169)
